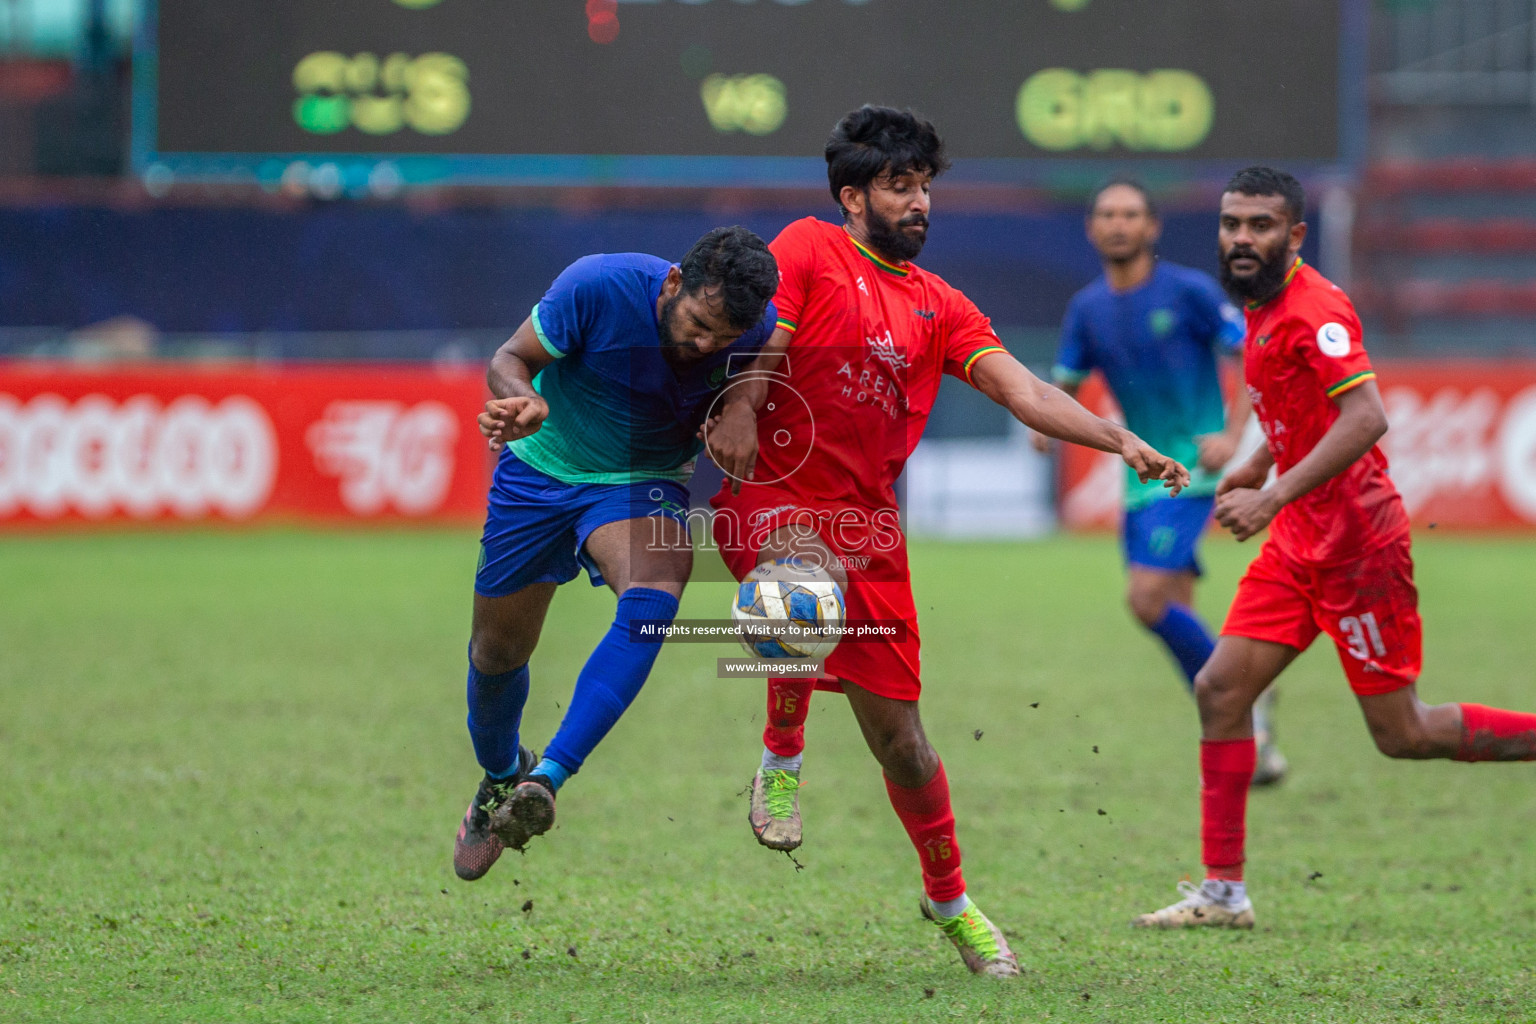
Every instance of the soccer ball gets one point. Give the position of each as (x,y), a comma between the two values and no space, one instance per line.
(789,609)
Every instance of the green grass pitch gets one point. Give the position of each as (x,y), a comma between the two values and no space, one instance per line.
(231,766)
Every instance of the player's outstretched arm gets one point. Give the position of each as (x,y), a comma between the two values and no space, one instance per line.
(731,437)
(1048,410)
(1042,443)
(517,410)
(1362,422)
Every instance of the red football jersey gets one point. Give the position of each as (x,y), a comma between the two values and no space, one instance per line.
(872,340)
(1305,348)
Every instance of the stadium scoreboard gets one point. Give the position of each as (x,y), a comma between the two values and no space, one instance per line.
(743,91)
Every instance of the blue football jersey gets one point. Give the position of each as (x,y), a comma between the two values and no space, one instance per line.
(618,411)
(1157,346)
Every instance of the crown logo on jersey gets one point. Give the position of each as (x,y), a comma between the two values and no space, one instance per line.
(884,349)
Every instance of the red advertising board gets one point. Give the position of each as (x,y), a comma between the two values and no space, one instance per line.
(182,444)
(1462,447)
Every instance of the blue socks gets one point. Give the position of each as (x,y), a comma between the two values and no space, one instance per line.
(495,712)
(609,682)
(554,771)
(1187,639)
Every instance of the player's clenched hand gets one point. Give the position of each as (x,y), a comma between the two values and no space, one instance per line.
(731,440)
(1248,476)
(1245,511)
(1151,464)
(507,419)
(1216,450)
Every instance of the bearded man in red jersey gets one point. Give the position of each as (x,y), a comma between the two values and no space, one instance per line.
(812,441)
(1337,559)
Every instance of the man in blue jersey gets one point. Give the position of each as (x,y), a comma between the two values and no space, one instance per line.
(1157,332)
(599,398)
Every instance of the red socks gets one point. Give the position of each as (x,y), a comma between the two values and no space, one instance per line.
(924,812)
(1493,734)
(1226,768)
(789,701)
(930,823)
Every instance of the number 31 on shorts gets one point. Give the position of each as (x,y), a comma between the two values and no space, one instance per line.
(1363,635)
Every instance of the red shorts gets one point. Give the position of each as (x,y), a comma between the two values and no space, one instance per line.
(1369,607)
(873,553)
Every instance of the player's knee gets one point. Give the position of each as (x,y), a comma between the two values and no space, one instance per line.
(1220,698)
(494,655)
(1210,687)
(1147,598)
(1146,607)
(908,759)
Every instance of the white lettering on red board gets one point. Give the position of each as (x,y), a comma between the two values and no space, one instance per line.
(97,456)
(387,455)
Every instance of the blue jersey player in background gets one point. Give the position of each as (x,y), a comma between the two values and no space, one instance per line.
(1158,333)
(599,397)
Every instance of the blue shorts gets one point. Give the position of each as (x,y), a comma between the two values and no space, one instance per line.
(1164,533)
(536,527)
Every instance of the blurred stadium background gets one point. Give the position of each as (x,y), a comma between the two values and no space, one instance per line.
(253,256)
(374,183)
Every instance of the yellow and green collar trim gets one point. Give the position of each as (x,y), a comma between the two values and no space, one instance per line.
(976,356)
(889,268)
(1351,382)
(1290,275)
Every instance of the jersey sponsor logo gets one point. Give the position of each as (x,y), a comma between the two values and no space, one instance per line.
(387,454)
(1274,432)
(716,377)
(885,350)
(871,385)
(926,314)
(1160,322)
(1333,340)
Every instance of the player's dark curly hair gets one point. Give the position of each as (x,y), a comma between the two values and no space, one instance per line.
(739,263)
(872,141)
(1127,182)
(1267,181)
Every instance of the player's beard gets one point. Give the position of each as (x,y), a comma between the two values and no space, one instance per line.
(672,350)
(891,240)
(1263,285)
